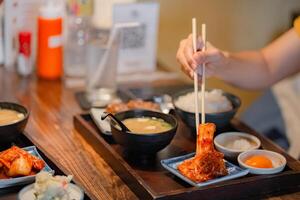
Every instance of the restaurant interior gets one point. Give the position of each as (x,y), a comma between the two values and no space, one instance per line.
(149,99)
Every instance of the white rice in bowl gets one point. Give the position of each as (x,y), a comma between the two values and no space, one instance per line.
(215,102)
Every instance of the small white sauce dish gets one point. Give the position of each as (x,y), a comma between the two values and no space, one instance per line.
(225,143)
(27,193)
(277,160)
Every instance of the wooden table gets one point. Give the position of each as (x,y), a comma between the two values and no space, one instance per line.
(50,128)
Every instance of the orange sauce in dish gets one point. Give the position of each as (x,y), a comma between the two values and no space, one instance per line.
(259,161)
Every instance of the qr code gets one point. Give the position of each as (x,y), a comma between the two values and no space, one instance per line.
(133,37)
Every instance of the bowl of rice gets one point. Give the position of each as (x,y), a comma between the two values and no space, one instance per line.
(220,107)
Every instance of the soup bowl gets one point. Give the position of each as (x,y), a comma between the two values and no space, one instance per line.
(220,119)
(10,131)
(144,144)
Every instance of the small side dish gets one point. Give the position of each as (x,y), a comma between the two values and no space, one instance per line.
(16,162)
(207,163)
(132,104)
(48,187)
(7,181)
(171,164)
(262,161)
(234,143)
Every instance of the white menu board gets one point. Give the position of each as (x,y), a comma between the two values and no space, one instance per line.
(137,51)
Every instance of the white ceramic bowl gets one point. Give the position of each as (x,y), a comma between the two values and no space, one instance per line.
(27,193)
(277,159)
(222,140)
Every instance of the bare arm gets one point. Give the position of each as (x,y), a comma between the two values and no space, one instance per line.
(250,70)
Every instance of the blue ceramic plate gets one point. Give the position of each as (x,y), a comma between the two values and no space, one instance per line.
(233,170)
(26,179)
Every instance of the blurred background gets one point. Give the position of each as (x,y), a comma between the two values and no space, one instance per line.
(232,25)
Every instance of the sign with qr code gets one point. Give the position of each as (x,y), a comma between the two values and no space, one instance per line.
(137,51)
(133,37)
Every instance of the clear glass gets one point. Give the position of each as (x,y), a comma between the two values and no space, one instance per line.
(76,47)
(101,83)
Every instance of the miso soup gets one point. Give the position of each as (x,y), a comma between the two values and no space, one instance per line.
(147,125)
(8,116)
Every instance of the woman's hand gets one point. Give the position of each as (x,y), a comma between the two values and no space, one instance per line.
(249,69)
(213,58)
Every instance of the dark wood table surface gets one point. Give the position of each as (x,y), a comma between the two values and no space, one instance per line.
(50,127)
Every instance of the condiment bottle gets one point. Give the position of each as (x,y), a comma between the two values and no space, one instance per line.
(24,57)
(50,52)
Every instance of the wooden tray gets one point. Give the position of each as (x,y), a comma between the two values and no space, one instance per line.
(11,193)
(149,180)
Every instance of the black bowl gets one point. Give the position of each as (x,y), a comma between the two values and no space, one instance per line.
(9,132)
(144,144)
(221,119)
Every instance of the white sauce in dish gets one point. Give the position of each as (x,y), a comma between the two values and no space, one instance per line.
(240,144)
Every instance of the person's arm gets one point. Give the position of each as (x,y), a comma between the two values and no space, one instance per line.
(250,70)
